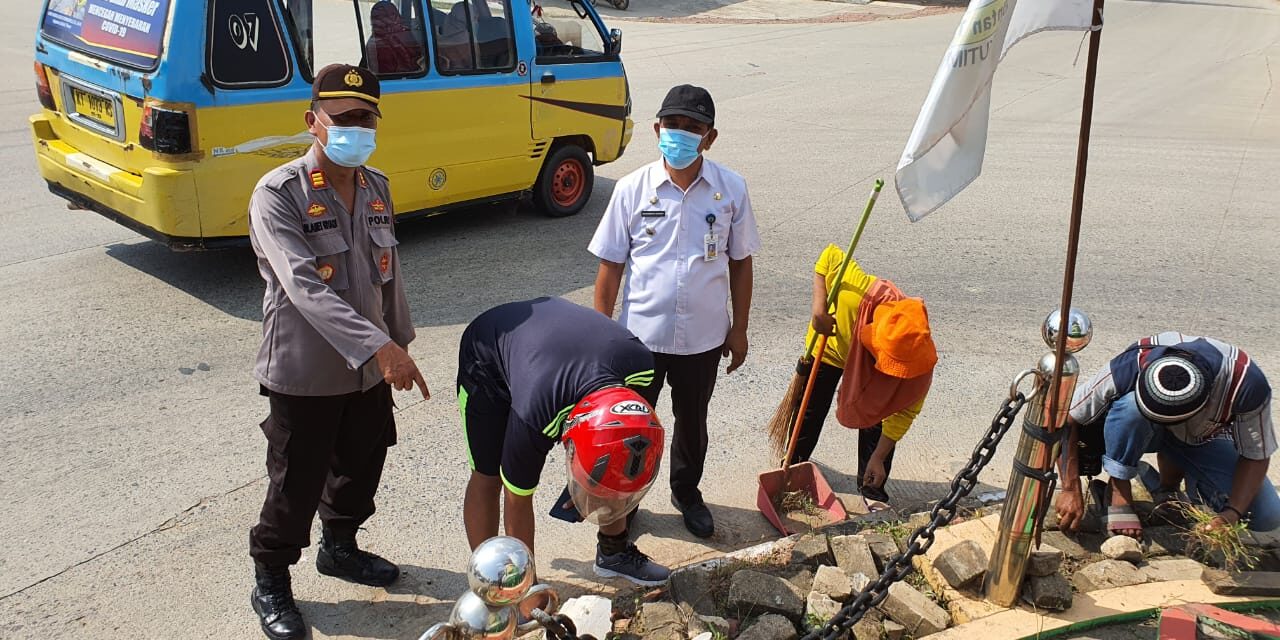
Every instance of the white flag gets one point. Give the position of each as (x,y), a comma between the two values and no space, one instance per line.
(944,153)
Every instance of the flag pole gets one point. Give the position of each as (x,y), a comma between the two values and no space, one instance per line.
(1031,482)
(1077,206)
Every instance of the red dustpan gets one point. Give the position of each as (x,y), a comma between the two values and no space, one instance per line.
(802,483)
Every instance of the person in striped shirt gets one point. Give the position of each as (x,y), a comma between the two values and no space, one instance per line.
(1202,406)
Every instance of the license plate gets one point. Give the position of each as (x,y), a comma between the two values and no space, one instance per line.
(95,107)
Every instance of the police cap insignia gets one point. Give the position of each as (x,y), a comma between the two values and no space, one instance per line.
(343,88)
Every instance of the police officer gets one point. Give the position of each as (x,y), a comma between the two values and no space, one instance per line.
(335,327)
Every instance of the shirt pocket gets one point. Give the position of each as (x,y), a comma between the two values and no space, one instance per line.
(330,250)
(723,227)
(383,251)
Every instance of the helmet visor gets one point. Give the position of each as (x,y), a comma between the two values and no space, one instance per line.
(598,504)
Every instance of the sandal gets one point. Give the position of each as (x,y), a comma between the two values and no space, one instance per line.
(1123,518)
(875,498)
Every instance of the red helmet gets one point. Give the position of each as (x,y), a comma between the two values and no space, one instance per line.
(613,445)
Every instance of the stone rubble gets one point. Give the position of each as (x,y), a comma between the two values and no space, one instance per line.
(853,555)
(1107,574)
(963,565)
(832,583)
(811,550)
(784,591)
(1044,561)
(1052,592)
(914,610)
(1122,548)
(819,609)
(753,593)
(770,627)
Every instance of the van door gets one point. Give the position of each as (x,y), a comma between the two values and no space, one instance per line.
(577,85)
(478,117)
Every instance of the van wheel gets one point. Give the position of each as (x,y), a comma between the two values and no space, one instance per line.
(565,183)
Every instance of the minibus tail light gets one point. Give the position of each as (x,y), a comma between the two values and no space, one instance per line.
(165,130)
(42,88)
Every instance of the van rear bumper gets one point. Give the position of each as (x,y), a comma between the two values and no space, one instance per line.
(160,204)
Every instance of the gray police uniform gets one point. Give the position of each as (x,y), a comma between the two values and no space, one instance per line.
(333,298)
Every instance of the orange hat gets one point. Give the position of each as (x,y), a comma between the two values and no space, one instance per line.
(899,338)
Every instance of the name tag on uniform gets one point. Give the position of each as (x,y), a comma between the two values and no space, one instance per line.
(653,214)
(711,244)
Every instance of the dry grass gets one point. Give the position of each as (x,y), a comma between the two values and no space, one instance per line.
(1224,543)
(801,501)
(800,512)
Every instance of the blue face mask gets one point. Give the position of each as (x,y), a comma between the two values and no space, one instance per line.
(680,148)
(349,146)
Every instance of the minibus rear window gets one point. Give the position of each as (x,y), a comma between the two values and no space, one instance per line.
(128,32)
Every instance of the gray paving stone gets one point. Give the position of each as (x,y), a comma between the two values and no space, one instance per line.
(755,593)
(962,565)
(914,610)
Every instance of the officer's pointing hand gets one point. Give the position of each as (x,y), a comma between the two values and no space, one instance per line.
(399,370)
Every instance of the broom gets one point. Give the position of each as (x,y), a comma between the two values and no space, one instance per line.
(785,416)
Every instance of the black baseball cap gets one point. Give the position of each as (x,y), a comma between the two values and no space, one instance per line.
(343,88)
(691,101)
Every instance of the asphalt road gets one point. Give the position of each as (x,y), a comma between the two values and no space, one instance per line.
(131,457)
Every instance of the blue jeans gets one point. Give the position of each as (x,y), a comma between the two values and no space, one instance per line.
(1209,467)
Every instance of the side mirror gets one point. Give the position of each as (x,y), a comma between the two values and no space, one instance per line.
(615,41)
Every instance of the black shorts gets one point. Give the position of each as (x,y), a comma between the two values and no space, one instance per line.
(498,442)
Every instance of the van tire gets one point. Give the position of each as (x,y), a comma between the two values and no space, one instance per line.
(564,185)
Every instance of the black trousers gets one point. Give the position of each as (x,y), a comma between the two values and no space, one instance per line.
(824,391)
(692,379)
(325,453)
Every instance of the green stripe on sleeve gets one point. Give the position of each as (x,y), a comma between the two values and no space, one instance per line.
(553,430)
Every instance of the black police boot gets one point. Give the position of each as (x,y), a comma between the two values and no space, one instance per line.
(272,600)
(341,558)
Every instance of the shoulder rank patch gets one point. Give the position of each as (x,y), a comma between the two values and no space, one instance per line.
(325,271)
(378,205)
(315,210)
(318,180)
(360,178)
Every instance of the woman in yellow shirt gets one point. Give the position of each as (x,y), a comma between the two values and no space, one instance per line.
(875,444)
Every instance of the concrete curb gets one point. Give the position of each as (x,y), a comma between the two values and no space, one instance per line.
(1091,609)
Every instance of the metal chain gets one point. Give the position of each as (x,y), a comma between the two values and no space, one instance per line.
(560,627)
(921,539)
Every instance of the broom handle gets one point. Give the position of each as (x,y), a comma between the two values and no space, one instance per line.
(844,265)
(804,406)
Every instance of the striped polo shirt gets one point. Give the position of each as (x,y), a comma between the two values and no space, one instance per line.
(1239,403)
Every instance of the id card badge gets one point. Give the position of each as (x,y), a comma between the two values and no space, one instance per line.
(711,247)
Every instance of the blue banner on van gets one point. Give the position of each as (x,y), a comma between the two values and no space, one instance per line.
(129,32)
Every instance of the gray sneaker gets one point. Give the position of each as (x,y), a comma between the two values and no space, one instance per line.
(632,565)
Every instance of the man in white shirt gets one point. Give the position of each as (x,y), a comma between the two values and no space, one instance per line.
(683,231)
